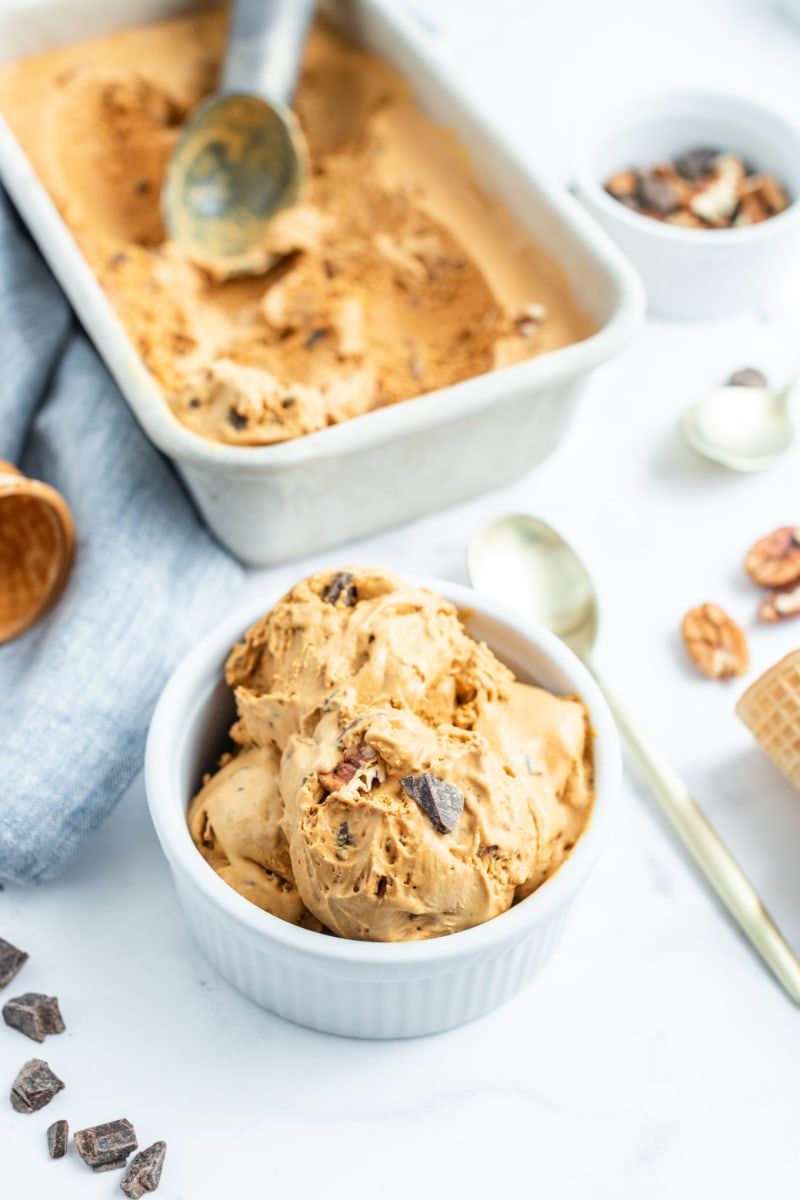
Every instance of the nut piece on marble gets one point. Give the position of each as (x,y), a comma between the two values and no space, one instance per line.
(716,644)
(34,1014)
(774,560)
(781,604)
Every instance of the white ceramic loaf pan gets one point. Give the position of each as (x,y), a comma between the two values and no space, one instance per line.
(272,503)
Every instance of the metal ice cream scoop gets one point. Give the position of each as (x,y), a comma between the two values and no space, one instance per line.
(526,563)
(242,156)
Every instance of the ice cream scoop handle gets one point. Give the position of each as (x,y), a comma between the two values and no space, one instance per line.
(715,861)
(265,47)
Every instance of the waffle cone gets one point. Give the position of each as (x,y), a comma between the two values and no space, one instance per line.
(770,708)
(36,542)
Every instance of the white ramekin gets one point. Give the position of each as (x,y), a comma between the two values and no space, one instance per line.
(365,989)
(693,272)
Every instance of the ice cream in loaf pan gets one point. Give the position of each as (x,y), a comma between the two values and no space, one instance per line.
(390,779)
(397,276)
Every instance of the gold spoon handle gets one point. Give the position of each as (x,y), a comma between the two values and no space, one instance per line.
(715,861)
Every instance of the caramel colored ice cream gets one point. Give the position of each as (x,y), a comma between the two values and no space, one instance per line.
(396,276)
(391,780)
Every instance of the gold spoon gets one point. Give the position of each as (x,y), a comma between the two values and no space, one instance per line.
(526,563)
(743,427)
(242,156)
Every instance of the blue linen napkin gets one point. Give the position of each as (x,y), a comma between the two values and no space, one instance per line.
(77,691)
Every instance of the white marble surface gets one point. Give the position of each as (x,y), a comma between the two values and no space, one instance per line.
(655,1057)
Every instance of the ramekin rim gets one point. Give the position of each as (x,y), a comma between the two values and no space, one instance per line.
(168,812)
(588,185)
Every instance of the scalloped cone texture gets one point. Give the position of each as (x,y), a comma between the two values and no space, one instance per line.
(770,708)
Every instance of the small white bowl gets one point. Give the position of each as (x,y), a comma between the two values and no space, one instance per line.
(365,989)
(693,272)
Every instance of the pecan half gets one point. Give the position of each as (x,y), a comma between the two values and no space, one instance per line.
(716,644)
(774,561)
(783,603)
(359,760)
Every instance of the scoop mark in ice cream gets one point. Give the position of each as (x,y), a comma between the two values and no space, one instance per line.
(442,803)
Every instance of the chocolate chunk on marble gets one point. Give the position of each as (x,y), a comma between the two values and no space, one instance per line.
(11,960)
(34,1087)
(57,1139)
(747,377)
(144,1171)
(341,587)
(442,803)
(106,1147)
(34,1014)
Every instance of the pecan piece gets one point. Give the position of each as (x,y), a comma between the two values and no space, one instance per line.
(774,561)
(716,644)
(356,760)
(783,603)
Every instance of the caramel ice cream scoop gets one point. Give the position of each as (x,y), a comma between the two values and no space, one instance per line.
(375,861)
(392,781)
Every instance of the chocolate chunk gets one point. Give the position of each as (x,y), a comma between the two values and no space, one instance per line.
(236,419)
(657,194)
(341,586)
(696,163)
(105,1147)
(35,1086)
(316,335)
(11,960)
(57,1139)
(747,377)
(144,1171)
(442,802)
(34,1014)
(343,837)
(288,401)
(194,402)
